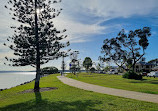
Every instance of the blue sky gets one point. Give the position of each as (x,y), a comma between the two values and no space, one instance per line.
(88,23)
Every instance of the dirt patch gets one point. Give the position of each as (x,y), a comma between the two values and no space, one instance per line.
(40,90)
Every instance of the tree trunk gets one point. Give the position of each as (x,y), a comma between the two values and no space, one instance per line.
(37,79)
(63,66)
(133,67)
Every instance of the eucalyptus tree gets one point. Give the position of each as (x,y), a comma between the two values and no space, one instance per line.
(35,41)
(126,49)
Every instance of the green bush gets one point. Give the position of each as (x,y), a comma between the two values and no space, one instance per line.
(132,75)
(92,70)
(49,70)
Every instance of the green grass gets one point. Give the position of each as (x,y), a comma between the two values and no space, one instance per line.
(66,98)
(147,85)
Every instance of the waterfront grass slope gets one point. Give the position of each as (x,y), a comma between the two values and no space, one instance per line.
(66,98)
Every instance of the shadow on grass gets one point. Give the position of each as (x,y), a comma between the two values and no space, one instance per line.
(145,81)
(45,105)
(38,97)
(150,92)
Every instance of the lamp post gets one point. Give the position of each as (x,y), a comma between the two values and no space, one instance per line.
(63,66)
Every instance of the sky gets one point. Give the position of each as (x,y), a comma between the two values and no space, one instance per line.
(88,23)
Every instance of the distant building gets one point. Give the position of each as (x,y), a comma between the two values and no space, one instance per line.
(154,61)
(144,67)
(155,68)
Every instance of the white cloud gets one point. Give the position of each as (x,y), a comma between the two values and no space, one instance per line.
(82,18)
(114,8)
(76,31)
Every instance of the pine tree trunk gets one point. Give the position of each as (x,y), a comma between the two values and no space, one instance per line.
(37,79)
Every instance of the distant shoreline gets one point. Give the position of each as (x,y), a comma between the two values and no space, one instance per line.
(14,71)
(35,71)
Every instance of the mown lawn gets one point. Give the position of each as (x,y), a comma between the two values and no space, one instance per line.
(147,85)
(66,98)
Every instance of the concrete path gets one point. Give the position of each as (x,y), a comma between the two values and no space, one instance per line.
(110,91)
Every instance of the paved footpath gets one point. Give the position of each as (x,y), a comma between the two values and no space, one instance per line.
(110,91)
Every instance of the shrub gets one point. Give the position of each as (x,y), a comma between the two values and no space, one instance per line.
(49,70)
(132,75)
(92,70)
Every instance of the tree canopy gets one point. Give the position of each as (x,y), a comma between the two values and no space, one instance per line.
(126,49)
(49,70)
(24,41)
(87,63)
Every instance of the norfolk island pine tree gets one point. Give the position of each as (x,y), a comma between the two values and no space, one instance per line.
(35,41)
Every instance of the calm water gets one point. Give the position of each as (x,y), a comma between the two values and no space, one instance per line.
(11,79)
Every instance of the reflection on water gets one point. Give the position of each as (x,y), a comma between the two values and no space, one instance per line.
(11,79)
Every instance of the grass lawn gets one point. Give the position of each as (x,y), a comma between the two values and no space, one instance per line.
(147,85)
(66,98)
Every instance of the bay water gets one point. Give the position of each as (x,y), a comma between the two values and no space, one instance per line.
(11,79)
